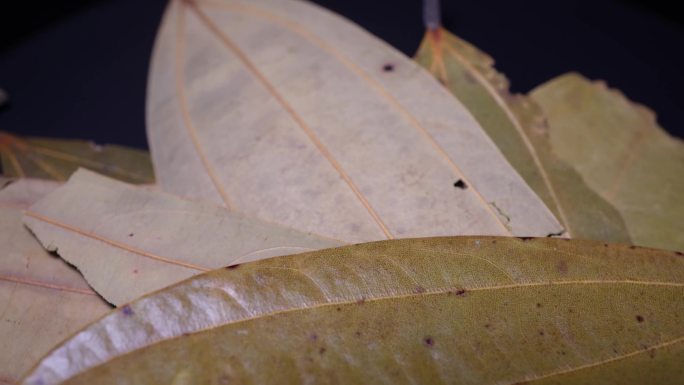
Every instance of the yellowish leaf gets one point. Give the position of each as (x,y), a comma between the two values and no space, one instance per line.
(469,310)
(289,113)
(128,241)
(42,299)
(57,159)
(621,152)
(518,127)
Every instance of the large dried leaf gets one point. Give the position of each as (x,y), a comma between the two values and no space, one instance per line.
(128,241)
(57,159)
(621,153)
(471,310)
(517,126)
(289,113)
(42,300)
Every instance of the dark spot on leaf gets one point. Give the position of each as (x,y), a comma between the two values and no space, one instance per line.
(541,332)
(127,311)
(460,292)
(389,67)
(494,242)
(131,234)
(321,350)
(361,301)
(429,341)
(313,337)
(651,353)
(679,253)
(538,304)
(231,267)
(135,271)
(419,289)
(358,333)
(524,239)
(632,247)
(339,309)
(562,267)
(605,245)
(570,310)
(488,326)
(460,184)
(639,319)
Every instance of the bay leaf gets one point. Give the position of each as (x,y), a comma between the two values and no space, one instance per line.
(461,310)
(128,240)
(57,159)
(518,127)
(42,299)
(621,152)
(289,113)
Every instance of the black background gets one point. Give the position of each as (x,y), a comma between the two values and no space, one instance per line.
(78,69)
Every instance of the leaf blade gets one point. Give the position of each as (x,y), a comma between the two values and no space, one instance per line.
(372,312)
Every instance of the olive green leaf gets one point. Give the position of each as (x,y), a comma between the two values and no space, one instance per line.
(517,126)
(468,310)
(57,159)
(287,112)
(42,299)
(621,152)
(128,241)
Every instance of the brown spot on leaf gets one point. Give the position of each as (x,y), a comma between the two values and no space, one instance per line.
(562,267)
(127,311)
(639,318)
(525,239)
(541,332)
(389,67)
(632,247)
(339,308)
(361,301)
(131,234)
(460,292)
(679,253)
(321,350)
(538,304)
(419,289)
(429,341)
(358,333)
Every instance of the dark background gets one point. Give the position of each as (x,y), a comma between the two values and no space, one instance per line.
(78,69)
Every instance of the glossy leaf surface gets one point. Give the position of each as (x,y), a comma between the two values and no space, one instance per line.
(469,310)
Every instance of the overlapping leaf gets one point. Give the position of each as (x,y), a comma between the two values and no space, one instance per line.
(517,126)
(621,153)
(42,300)
(324,129)
(128,241)
(437,310)
(57,159)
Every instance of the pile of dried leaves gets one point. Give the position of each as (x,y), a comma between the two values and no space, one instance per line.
(278,128)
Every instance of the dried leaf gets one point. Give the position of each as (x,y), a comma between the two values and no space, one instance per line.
(517,126)
(128,241)
(42,300)
(289,113)
(57,159)
(470,310)
(621,153)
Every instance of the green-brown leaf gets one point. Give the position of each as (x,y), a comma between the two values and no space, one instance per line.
(57,159)
(518,127)
(621,152)
(471,310)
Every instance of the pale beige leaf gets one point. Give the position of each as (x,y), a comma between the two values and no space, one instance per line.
(42,299)
(621,152)
(128,241)
(468,310)
(289,113)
